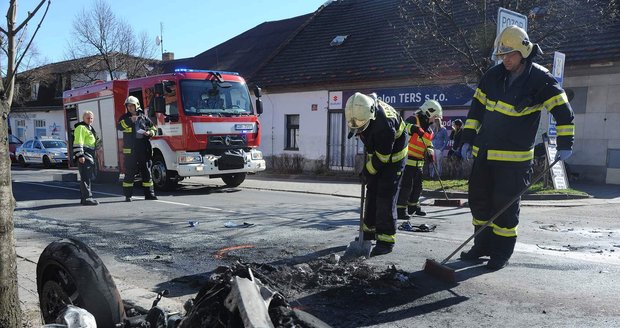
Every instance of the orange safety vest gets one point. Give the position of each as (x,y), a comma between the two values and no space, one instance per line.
(417,148)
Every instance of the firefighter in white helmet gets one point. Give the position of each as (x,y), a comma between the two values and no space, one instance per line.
(500,132)
(137,151)
(419,150)
(382,131)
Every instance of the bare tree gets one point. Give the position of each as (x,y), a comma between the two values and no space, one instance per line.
(111,44)
(9,298)
(458,35)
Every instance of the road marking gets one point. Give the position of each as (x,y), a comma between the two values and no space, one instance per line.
(112,194)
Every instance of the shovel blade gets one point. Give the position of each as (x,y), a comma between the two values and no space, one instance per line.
(357,249)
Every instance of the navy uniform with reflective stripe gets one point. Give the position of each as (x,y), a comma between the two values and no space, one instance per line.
(137,151)
(501,125)
(385,140)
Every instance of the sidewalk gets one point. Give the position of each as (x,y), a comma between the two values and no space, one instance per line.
(350,187)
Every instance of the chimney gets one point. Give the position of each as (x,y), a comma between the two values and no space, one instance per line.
(167,56)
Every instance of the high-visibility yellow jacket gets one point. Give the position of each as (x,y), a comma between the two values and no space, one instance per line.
(503,119)
(84,141)
(385,138)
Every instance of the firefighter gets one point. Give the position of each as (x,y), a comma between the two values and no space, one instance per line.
(420,148)
(137,130)
(500,131)
(382,131)
(84,147)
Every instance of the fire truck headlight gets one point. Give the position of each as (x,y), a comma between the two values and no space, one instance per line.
(190,158)
(257,155)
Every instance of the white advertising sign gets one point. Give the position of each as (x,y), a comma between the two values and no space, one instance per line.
(335,100)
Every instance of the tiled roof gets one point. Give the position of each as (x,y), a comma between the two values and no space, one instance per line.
(375,48)
(245,52)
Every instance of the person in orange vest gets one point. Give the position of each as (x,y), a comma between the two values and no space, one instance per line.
(419,150)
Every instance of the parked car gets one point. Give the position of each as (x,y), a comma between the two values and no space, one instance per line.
(14,143)
(42,150)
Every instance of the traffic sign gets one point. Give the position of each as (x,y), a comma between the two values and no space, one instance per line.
(506,18)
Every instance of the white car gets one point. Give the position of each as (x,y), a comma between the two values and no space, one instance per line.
(46,151)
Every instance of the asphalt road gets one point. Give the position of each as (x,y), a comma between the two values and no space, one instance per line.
(564,273)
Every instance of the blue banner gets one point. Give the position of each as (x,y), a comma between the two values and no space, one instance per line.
(414,97)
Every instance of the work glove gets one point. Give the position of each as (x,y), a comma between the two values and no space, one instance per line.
(417,130)
(563,154)
(466,151)
(430,156)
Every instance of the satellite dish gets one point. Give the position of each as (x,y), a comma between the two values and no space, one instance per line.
(157,40)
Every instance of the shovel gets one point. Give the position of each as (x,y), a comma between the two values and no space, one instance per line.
(359,247)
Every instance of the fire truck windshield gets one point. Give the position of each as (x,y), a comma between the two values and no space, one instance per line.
(205,97)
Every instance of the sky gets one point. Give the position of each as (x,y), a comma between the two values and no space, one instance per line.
(189,26)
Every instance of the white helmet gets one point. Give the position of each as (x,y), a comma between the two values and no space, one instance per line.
(132,100)
(432,109)
(358,112)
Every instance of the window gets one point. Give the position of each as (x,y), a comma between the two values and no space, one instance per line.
(292,132)
(40,129)
(34,91)
(21,129)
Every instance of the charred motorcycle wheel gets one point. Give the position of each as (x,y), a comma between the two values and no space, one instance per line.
(69,272)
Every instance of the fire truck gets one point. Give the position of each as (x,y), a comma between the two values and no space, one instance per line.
(206,125)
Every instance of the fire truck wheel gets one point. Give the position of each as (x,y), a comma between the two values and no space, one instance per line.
(233,180)
(162,178)
(69,272)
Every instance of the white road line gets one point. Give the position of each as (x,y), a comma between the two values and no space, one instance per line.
(111,194)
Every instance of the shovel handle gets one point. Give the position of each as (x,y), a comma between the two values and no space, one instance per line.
(362,209)
(500,212)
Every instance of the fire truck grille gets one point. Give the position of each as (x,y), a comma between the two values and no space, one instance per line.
(227,141)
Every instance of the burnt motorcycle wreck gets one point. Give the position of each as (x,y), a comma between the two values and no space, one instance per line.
(76,289)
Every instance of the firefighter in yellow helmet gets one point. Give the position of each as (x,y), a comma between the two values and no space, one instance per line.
(137,130)
(419,150)
(499,132)
(382,131)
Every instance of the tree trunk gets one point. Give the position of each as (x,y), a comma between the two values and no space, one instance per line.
(10,310)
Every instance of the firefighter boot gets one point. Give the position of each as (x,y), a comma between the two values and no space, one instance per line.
(381,248)
(401,213)
(479,249)
(504,246)
(149,194)
(415,209)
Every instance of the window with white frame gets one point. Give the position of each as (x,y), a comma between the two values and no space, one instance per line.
(40,129)
(292,132)
(21,129)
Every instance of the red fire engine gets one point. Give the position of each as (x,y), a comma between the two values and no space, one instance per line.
(205,120)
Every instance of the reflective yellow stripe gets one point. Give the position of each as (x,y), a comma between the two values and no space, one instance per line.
(500,231)
(472,124)
(127,184)
(556,101)
(366,228)
(397,157)
(509,110)
(480,96)
(383,158)
(474,151)
(371,169)
(401,206)
(147,184)
(386,238)
(400,130)
(413,203)
(126,150)
(504,232)
(414,162)
(510,156)
(565,130)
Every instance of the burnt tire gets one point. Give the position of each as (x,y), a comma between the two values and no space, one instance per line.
(233,179)
(69,272)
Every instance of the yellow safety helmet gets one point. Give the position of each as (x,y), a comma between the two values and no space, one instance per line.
(432,109)
(132,100)
(358,112)
(513,38)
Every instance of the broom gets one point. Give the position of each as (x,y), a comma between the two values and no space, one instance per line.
(443,272)
(443,202)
